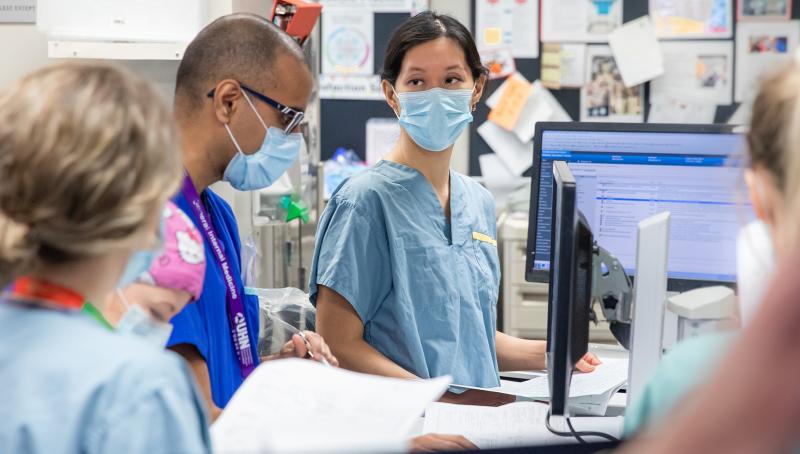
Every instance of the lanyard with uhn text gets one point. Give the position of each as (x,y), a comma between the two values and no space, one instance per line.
(234,304)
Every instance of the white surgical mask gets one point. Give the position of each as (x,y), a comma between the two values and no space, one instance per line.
(139,323)
(755,263)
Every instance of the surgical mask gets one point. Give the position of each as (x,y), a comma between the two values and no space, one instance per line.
(137,265)
(139,323)
(260,169)
(435,118)
(755,263)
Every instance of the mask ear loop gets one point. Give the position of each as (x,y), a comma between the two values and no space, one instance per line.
(247,98)
(124,300)
(397,96)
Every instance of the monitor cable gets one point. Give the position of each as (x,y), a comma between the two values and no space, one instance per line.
(576,434)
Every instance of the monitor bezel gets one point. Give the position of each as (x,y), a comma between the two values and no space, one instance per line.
(542,276)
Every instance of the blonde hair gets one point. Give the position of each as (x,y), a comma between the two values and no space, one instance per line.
(774,142)
(88,155)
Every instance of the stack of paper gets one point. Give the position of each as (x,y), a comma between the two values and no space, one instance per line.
(298,406)
(520,424)
(589,393)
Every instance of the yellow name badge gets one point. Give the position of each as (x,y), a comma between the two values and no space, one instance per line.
(484,238)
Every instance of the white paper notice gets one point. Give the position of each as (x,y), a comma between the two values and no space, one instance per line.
(605,96)
(676,107)
(761,46)
(516,155)
(348,41)
(637,52)
(298,406)
(692,18)
(511,24)
(382,135)
(580,21)
(700,69)
(513,425)
(499,180)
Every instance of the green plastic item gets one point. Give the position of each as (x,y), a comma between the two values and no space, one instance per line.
(294,209)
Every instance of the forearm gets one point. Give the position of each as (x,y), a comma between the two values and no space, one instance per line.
(519,354)
(357,355)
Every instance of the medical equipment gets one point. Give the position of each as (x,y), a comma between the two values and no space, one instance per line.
(703,311)
(296,17)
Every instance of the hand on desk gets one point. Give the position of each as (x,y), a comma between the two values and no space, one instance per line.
(296,348)
(588,363)
(439,443)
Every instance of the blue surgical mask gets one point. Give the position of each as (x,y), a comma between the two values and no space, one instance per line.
(435,118)
(138,323)
(260,169)
(137,265)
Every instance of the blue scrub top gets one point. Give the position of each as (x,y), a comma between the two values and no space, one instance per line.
(68,385)
(425,289)
(204,323)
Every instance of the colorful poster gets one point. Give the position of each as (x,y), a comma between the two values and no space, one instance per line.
(692,19)
(605,96)
(348,42)
(580,21)
(762,46)
(759,10)
(699,69)
(510,24)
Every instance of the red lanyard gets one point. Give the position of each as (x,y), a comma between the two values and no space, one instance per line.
(30,288)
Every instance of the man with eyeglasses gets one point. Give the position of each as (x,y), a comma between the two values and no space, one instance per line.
(240,93)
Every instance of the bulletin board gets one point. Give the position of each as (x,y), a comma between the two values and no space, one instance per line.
(570,98)
(343,121)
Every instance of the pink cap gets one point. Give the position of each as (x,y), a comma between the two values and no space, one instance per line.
(182,262)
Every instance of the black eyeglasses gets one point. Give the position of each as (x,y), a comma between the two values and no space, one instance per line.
(289,117)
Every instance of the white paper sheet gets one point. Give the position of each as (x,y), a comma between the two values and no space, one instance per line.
(511,24)
(605,96)
(348,86)
(298,406)
(382,135)
(608,376)
(520,424)
(516,155)
(348,41)
(513,425)
(687,19)
(497,177)
(700,69)
(676,107)
(581,21)
(541,106)
(762,46)
(637,52)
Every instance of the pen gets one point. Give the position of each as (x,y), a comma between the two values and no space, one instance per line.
(305,340)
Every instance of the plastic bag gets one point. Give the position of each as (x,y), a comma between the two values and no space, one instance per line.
(282,313)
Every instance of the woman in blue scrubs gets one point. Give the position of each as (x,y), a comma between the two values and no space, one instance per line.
(87,162)
(406,273)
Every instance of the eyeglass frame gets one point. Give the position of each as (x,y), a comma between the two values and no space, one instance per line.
(297,115)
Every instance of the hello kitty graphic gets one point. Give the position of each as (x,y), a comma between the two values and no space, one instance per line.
(190,249)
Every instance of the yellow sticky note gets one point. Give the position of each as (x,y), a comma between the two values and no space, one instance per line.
(551,77)
(492,36)
(515,95)
(484,238)
(551,58)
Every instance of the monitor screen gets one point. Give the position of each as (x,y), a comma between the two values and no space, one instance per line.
(629,173)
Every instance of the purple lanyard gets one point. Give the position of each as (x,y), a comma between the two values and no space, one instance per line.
(235,307)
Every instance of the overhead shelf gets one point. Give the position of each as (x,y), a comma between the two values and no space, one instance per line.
(113,50)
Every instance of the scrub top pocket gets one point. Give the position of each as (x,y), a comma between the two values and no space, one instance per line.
(429,287)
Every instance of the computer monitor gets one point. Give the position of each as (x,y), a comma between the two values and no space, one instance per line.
(628,172)
(570,287)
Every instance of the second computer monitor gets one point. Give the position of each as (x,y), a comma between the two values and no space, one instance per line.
(626,173)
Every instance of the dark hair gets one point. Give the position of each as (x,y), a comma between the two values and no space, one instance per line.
(237,46)
(425,27)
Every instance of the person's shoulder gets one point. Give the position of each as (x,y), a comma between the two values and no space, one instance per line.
(702,352)
(218,202)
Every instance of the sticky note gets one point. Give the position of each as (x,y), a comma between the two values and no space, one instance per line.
(492,36)
(507,111)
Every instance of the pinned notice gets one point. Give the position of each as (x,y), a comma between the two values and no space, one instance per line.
(507,111)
